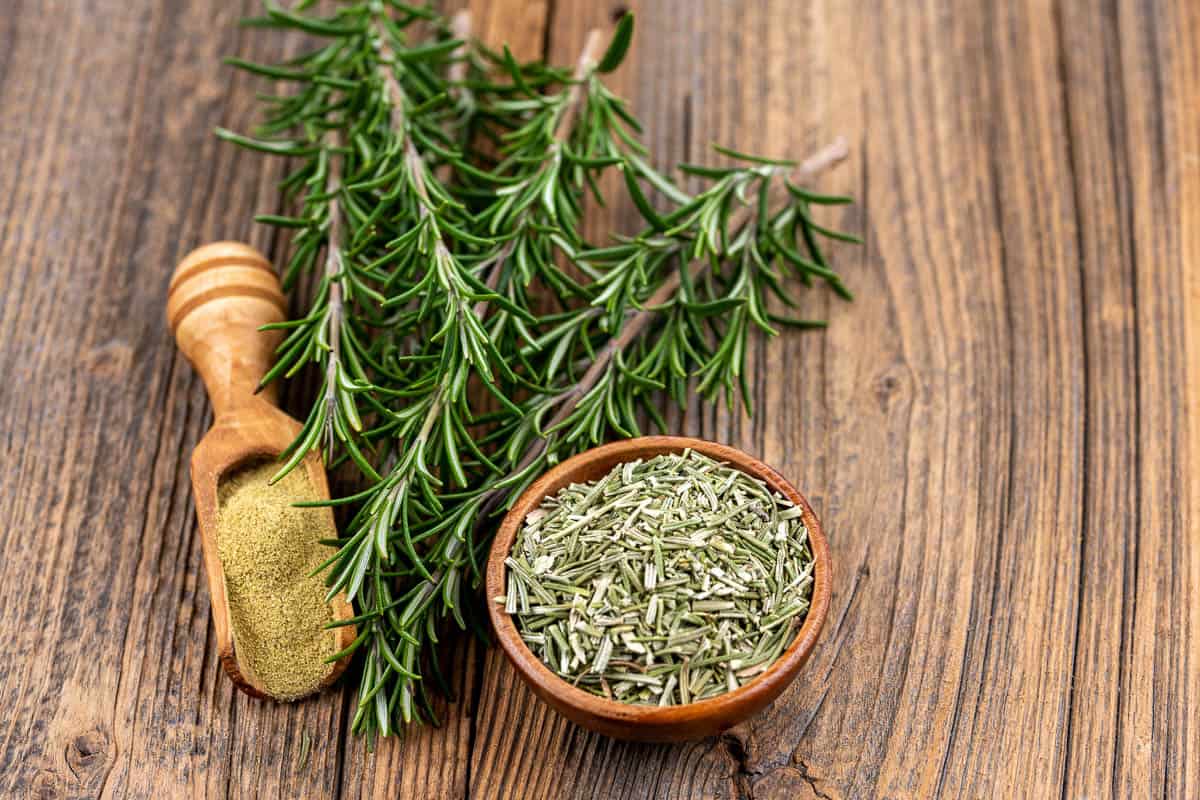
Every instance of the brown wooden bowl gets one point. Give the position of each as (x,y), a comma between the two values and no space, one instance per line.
(653,723)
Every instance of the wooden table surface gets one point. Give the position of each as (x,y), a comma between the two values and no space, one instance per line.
(1002,433)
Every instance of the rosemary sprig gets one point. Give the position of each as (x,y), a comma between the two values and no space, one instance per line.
(466,333)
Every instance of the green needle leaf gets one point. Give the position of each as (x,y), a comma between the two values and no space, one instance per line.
(619,45)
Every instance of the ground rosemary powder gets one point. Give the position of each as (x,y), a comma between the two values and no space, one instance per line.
(268,549)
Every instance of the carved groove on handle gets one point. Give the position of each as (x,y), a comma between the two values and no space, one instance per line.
(219,298)
(229,290)
(189,269)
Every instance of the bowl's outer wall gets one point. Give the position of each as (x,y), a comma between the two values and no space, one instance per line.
(651,723)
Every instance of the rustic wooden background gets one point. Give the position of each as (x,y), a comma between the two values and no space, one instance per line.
(1002,433)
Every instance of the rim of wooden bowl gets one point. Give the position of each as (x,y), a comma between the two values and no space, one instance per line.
(691,720)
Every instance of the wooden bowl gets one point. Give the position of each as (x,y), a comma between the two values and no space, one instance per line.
(653,723)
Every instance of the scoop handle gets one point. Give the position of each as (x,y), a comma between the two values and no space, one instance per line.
(220,295)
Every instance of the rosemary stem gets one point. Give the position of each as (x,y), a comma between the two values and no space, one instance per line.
(562,130)
(412,156)
(416,169)
(817,163)
(584,68)
(587,62)
(820,161)
(492,279)
(825,158)
(460,28)
(333,268)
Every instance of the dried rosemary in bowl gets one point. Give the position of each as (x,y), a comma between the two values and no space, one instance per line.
(664,582)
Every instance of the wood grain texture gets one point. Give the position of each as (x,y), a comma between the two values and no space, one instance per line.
(1001,434)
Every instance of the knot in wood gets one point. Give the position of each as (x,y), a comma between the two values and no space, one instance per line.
(88,752)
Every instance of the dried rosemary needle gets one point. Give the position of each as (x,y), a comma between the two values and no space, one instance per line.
(664,582)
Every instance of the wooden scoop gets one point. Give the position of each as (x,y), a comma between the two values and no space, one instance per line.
(219,296)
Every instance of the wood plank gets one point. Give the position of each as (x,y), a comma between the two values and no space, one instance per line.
(1099,148)
(114,174)
(950,429)
(1184,79)
(1018,719)
(1158,720)
(520,24)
